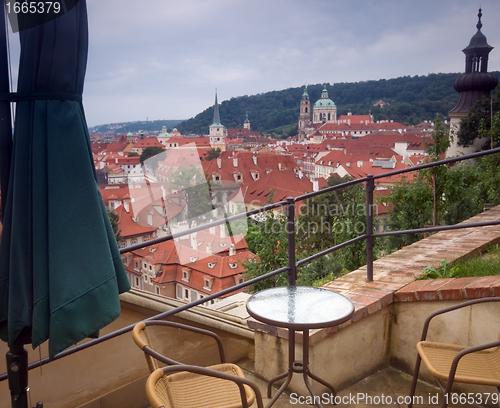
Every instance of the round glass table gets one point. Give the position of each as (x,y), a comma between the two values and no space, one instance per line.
(299,308)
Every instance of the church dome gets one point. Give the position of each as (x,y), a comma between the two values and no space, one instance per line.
(476,81)
(324,102)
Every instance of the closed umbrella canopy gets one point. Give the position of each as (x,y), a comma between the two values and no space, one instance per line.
(60,268)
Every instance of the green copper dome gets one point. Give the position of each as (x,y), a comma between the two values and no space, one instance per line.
(324,102)
(305,95)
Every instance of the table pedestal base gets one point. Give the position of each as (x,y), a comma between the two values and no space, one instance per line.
(298,367)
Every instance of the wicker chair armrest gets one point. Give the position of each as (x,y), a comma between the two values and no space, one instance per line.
(451,308)
(466,351)
(240,381)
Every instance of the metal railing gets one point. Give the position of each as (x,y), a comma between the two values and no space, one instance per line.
(291,269)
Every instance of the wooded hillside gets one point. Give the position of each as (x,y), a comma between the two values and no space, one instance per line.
(411,100)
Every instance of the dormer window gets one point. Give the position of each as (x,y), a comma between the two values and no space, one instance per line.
(238,279)
(211,265)
(185,275)
(193,258)
(222,244)
(208,282)
(233,265)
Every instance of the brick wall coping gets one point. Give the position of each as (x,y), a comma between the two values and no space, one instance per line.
(394,276)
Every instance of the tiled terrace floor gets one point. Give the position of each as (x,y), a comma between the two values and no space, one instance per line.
(388,382)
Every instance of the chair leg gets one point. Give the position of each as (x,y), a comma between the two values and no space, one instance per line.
(449,385)
(414,381)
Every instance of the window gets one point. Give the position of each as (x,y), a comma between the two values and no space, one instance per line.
(136,265)
(144,265)
(150,267)
(185,275)
(134,241)
(157,288)
(123,244)
(207,283)
(137,282)
(179,292)
(186,293)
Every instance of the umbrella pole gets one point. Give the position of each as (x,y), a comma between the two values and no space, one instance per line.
(17,369)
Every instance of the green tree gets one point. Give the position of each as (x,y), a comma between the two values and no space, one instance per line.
(491,132)
(478,120)
(114,218)
(489,177)
(464,194)
(412,209)
(213,154)
(149,153)
(436,175)
(269,241)
(133,154)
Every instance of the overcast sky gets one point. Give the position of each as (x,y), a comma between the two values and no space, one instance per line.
(163,59)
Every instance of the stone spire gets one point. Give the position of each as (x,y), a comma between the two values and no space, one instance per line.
(216,121)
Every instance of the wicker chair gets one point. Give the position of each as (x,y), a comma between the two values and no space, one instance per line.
(185,386)
(457,363)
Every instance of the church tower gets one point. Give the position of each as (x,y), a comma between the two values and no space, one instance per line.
(475,84)
(324,110)
(305,115)
(246,124)
(217,130)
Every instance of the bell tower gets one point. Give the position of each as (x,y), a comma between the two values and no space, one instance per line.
(476,83)
(217,130)
(305,115)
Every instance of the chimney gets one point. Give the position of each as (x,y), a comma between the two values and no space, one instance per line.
(348,164)
(150,220)
(126,205)
(232,250)
(315,185)
(360,163)
(254,159)
(209,248)
(219,162)
(194,241)
(212,229)
(235,161)
(300,174)
(279,166)
(222,229)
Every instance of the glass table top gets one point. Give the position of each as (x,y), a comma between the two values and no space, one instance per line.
(300,307)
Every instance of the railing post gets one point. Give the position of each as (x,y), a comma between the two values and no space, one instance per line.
(290,230)
(370,187)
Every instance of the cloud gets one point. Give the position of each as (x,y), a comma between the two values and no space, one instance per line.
(163,59)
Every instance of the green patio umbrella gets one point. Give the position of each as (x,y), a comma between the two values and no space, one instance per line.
(60,268)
